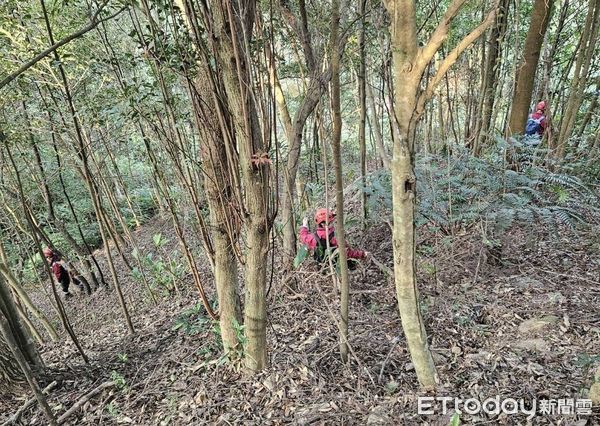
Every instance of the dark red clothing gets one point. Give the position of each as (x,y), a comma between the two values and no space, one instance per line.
(309,240)
(58,270)
(536,116)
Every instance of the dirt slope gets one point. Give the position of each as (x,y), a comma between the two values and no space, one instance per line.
(525,325)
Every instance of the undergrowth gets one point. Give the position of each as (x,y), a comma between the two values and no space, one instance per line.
(462,191)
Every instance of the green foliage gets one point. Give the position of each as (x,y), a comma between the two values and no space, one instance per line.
(455,420)
(119,380)
(112,409)
(191,321)
(467,190)
(300,256)
(161,273)
(239,333)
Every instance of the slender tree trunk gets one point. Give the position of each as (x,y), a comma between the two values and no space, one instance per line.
(587,48)
(376,129)
(9,341)
(83,155)
(525,77)
(362,142)
(336,140)
(409,64)
(491,76)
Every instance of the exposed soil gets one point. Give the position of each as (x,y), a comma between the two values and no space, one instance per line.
(476,304)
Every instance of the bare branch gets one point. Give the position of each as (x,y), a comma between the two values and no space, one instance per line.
(440,33)
(453,56)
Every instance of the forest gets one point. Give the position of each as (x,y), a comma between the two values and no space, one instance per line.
(382,212)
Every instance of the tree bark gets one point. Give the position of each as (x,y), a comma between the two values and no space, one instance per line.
(587,47)
(491,76)
(540,16)
(11,376)
(219,184)
(20,335)
(409,64)
(232,23)
(362,105)
(19,359)
(336,140)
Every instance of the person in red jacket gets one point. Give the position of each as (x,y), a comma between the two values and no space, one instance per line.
(536,125)
(317,241)
(59,271)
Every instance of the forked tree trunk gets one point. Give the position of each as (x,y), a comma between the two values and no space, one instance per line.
(219,185)
(540,16)
(409,62)
(232,22)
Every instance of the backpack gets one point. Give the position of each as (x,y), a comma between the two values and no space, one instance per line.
(534,126)
(320,252)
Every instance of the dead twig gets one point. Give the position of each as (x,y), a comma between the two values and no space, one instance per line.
(387,271)
(15,417)
(84,399)
(385,361)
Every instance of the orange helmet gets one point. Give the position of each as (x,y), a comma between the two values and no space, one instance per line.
(324,215)
(540,106)
(48,252)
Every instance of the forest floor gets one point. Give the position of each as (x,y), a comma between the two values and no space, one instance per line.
(525,325)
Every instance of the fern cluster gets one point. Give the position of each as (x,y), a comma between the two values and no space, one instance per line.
(457,192)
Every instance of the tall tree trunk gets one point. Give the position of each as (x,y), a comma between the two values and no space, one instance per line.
(540,16)
(362,142)
(587,47)
(336,140)
(409,64)
(232,23)
(491,76)
(83,155)
(220,184)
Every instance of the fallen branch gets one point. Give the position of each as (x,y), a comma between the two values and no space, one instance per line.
(15,417)
(84,399)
